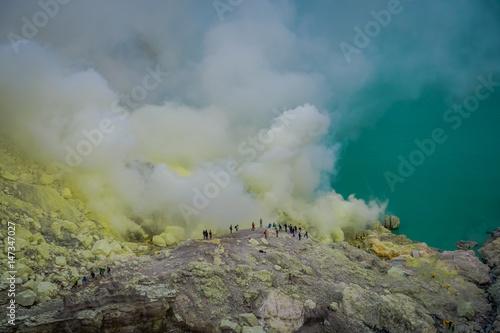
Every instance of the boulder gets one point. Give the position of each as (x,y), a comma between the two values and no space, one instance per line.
(29,285)
(116,247)
(491,251)
(282,312)
(334,306)
(37,239)
(66,193)
(26,298)
(169,238)
(61,261)
(85,239)
(101,247)
(249,318)
(310,304)
(56,228)
(466,310)
(264,241)
(229,325)
(8,176)
(87,254)
(23,271)
(158,240)
(44,250)
(47,179)
(465,245)
(45,290)
(254,242)
(396,271)
(391,222)
(70,226)
(23,233)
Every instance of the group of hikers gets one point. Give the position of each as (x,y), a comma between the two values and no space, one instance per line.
(278,227)
(288,228)
(93,275)
(207,234)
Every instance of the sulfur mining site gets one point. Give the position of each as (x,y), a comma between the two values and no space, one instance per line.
(277,166)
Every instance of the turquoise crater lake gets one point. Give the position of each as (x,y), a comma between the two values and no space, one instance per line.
(454,193)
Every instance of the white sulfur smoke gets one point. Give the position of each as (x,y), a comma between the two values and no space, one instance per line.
(161,114)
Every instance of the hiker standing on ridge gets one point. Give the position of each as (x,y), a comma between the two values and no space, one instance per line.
(300,235)
(253,226)
(210,233)
(265,233)
(236,227)
(276,232)
(306,235)
(261,222)
(286,228)
(231,229)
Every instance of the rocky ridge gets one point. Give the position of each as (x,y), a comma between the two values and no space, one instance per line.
(374,281)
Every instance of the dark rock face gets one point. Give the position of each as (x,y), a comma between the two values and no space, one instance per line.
(465,245)
(491,255)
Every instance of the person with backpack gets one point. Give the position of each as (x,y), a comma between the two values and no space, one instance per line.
(265,234)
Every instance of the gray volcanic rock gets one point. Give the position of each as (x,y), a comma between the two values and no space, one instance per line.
(320,288)
(490,252)
(465,245)
(391,222)
(491,249)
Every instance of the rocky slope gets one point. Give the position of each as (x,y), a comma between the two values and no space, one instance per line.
(373,282)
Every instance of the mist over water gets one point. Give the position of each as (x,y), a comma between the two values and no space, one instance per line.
(171,113)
